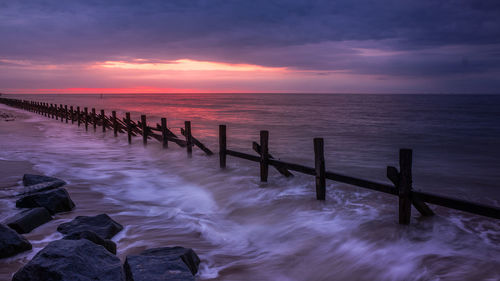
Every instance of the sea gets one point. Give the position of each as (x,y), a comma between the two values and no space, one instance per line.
(244,229)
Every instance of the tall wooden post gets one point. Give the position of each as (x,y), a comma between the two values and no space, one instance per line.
(319,165)
(103,118)
(78,115)
(144,130)
(94,119)
(56,111)
(115,123)
(61,112)
(66,112)
(222,146)
(86,118)
(405,185)
(164,134)
(189,141)
(264,156)
(129,127)
(72,114)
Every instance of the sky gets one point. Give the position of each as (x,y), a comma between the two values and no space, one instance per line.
(303,46)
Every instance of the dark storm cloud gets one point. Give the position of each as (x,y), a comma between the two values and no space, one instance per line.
(304,34)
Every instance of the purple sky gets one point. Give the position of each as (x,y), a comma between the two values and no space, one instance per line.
(394,46)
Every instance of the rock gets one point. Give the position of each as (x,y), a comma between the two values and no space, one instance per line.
(11,243)
(72,260)
(101,224)
(30,179)
(93,237)
(28,220)
(40,187)
(168,263)
(55,201)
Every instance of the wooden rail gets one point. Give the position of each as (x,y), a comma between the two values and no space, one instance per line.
(401,179)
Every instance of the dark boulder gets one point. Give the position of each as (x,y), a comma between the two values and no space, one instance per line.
(72,260)
(11,243)
(55,201)
(102,225)
(40,187)
(28,220)
(30,179)
(93,237)
(168,263)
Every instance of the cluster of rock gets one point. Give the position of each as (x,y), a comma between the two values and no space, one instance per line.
(86,251)
(42,197)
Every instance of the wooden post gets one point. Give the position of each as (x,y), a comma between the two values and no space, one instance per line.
(405,185)
(264,157)
(72,114)
(144,130)
(86,116)
(319,165)
(78,115)
(61,112)
(115,123)
(189,142)
(103,118)
(222,146)
(164,134)
(94,119)
(56,111)
(129,127)
(66,112)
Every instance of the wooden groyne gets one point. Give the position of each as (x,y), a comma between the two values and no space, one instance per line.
(401,178)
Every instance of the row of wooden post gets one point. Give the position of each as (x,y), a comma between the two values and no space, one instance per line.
(404,186)
(62,113)
(402,179)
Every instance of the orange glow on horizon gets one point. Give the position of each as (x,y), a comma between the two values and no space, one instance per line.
(186,65)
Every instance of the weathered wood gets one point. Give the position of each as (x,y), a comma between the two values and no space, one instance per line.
(72,114)
(129,127)
(61,112)
(198,143)
(243,155)
(405,185)
(394,177)
(169,133)
(86,118)
(164,133)
(264,155)
(94,119)
(458,204)
(222,146)
(319,165)
(281,170)
(189,140)
(115,123)
(78,115)
(103,120)
(66,112)
(144,130)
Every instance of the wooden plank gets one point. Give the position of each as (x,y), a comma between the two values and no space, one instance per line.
(86,116)
(144,130)
(78,115)
(281,170)
(198,143)
(264,155)
(243,155)
(458,204)
(319,165)
(129,127)
(164,133)
(222,146)
(189,139)
(404,187)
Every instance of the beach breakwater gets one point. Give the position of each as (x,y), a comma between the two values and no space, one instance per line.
(402,178)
